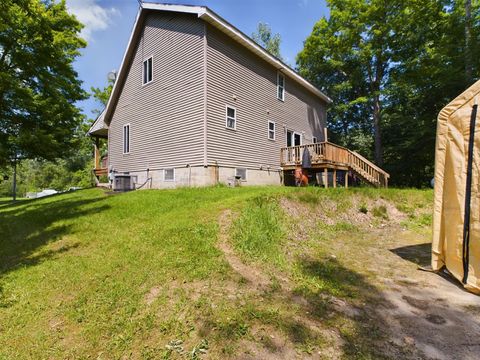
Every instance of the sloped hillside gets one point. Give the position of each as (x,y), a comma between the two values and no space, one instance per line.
(249,273)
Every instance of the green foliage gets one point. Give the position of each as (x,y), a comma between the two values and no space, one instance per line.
(74,169)
(348,56)
(363,209)
(258,232)
(102,95)
(59,174)
(39,41)
(309,198)
(380,212)
(264,37)
(390,69)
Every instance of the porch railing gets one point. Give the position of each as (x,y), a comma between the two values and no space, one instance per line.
(326,153)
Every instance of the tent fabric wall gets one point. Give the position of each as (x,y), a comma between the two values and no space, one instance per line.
(451,157)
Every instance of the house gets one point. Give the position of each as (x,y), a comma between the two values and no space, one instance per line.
(196,102)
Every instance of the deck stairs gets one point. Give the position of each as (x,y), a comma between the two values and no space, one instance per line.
(326,155)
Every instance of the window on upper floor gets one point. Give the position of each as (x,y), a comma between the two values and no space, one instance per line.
(280,86)
(126,138)
(231,118)
(271,130)
(148,70)
(314,140)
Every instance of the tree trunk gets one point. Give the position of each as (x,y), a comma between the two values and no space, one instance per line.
(14,190)
(468,42)
(377,108)
(377,131)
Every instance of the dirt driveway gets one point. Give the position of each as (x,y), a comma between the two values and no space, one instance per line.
(431,312)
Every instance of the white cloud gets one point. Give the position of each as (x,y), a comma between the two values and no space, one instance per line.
(92,15)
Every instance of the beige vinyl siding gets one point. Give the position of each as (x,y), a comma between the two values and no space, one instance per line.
(166,116)
(238,78)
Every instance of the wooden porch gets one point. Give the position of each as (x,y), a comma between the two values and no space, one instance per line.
(101,163)
(327,156)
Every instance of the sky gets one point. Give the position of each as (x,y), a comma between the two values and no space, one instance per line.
(108,24)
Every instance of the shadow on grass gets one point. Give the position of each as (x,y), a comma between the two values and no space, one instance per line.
(418,254)
(329,299)
(338,300)
(5,202)
(26,226)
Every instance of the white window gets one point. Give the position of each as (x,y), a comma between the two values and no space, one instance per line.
(314,140)
(241,173)
(271,130)
(148,70)
(280,86)
(169,174)
(231,122)
(126,138)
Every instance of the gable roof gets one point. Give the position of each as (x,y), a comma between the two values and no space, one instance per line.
(215,20)
(99,128)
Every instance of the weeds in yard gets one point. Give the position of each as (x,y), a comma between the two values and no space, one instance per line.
(380,212)
(259,231)
(363,208)
(311,198)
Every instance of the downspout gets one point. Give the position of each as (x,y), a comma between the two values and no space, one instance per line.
(205,159)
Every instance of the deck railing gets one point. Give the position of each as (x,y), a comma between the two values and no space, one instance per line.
(326,153)
(101,164)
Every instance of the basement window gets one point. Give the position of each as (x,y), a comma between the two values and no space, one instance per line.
(148,70)
(271,130)
(231,119)
(169,174)
(126,139)
(241,173)
(280,87)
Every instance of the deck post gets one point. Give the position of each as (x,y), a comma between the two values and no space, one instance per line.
(325,177)
(97,153)
(346,179)
(334,178)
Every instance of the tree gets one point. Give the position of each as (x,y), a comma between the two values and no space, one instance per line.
(468,40)
(39,40)
(102,95)
(390,67)
(355,47)
(264,37)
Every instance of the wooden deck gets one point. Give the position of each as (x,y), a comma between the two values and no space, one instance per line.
(100,172)
(326,155)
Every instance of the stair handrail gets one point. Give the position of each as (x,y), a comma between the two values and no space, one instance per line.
(367,169)
(369,163)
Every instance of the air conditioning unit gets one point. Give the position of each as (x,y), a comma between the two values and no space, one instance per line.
(123,183)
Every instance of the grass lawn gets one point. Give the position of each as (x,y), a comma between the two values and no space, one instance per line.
(141,275)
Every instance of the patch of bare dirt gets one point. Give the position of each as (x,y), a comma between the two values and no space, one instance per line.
(152,295)
(432,319)
(194,289)
(269,345)
(361,213)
